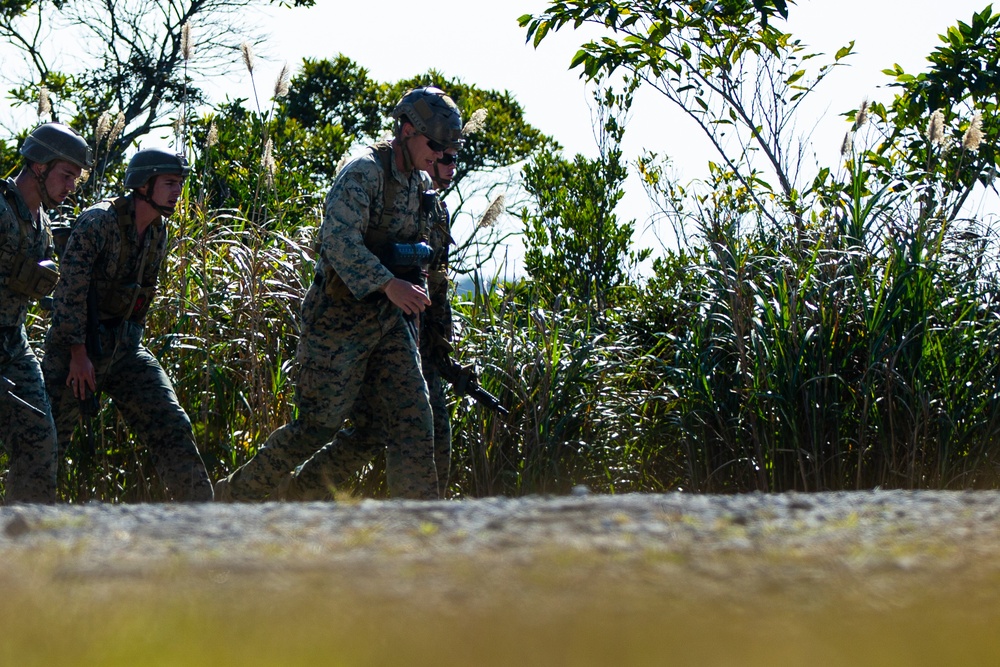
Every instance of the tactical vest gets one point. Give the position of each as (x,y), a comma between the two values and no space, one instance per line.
(30,275)
(128,297)
(375,236)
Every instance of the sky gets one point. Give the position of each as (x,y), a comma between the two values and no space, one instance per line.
(480,42)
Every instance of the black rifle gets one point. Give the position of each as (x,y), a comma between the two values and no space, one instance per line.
(465,382)
(463,379)
(7,385)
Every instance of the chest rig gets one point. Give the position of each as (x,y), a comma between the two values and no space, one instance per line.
(127,297)
(32,273)
(376,239)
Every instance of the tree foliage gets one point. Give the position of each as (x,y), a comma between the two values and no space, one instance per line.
(575,244)
(135,58)
(332,108)
(963,83)
(725,64)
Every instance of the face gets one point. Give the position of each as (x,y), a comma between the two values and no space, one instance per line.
(61,180)
(167,190)
(423,151)
(446,166)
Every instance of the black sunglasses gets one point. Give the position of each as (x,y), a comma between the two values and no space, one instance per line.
(435,146)
(448,158)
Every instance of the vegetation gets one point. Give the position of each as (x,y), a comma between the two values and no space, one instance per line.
(814,330)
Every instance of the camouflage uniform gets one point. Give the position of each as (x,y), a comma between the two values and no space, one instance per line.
(356,347)
(353,448)
(29,438)
(105,248)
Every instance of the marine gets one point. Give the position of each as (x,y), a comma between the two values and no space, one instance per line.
(358,341)
(110,269)
(54,159)
(333,466)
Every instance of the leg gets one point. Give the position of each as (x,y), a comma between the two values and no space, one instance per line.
(30,437)
(144,395)
(338,461)
(442,426)
(324,397)
(397,381)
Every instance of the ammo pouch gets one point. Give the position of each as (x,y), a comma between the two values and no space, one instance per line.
(32,279)
(116,299)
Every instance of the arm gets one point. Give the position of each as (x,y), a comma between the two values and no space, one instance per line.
(74,307)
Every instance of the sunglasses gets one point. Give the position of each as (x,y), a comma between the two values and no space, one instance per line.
(449,158)
(435,146)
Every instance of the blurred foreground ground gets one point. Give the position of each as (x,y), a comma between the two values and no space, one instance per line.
(879,578)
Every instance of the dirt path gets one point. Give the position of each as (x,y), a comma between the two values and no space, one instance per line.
(709,575)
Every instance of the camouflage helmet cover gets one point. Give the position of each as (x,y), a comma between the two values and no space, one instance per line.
(151,162)
(433,113)
(55,141)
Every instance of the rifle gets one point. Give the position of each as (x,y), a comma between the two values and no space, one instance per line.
(6,385)
(463,379)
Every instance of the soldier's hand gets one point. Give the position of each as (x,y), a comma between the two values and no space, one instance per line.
(81,378)
(411,299)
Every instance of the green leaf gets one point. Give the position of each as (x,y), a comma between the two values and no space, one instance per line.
(543,29)
(845,51)
(579,57)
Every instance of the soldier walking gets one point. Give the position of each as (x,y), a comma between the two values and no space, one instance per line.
(54,159)
(110,270)
(353,448)
(358,336)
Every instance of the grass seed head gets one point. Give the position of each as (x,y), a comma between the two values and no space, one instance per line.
(247,51)
(935,128)
(187,47)
(974,135)
(281,84)
(44,103)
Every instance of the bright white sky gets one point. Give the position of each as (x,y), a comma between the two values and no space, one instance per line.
(480,42)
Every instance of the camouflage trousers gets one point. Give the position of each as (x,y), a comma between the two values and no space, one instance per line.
(145,397)
(353,355)
(29,438)
(336,463)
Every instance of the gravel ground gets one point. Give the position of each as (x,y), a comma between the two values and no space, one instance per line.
(867,531)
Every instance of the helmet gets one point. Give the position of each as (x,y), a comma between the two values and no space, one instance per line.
(55,141)
(433,113)
(151,162)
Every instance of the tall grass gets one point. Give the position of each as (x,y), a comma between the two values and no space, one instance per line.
(857,359)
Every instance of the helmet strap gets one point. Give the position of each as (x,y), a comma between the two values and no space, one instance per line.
(48,201)
(165,211)
(404,144)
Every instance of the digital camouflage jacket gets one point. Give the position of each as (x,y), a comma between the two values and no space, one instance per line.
(104,247)
(21,240)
